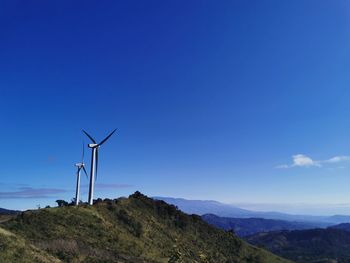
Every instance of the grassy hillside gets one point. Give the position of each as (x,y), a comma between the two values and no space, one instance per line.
(16,249)
(134,229)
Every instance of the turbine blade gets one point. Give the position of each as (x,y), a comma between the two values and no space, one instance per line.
(82,158)
(92,139)
(96,164)
(85,172)
(105,139)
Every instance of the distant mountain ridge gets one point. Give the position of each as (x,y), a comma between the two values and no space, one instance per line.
(4,211)
(249,226)
(201,207)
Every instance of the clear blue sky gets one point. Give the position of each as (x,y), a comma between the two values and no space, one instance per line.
(211,99)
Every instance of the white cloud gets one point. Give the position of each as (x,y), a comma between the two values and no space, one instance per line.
(301,160)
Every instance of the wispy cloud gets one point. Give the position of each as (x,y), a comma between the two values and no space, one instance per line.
(338,159)
(301,160)
(30,192)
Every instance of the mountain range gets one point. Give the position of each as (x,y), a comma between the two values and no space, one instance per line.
(295,237)
(202,207)
(125,230)
(249,226)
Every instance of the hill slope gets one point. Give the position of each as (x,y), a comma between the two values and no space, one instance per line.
(314,245)
(16,249)
(134,229)
(249,226)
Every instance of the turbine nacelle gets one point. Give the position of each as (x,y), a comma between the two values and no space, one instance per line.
(93,145)
(79,165)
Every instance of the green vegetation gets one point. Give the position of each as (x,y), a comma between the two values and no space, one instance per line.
(134,229)
(16,249)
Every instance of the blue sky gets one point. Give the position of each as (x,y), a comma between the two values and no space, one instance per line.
(212,100)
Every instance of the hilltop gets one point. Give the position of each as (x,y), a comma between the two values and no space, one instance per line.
(134,229)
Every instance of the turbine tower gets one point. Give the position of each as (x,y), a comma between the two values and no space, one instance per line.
(80,166)
(94,162)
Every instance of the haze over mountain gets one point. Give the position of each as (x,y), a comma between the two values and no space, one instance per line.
(249,226)
(201,207)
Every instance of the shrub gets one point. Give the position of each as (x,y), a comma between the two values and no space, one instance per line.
(61,203)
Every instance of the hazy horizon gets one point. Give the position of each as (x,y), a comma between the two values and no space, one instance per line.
(312,209)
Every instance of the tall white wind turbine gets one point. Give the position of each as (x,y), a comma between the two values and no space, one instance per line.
(80,166)
(94,162)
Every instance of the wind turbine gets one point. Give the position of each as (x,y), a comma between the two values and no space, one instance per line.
(80,166)
(94,162)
